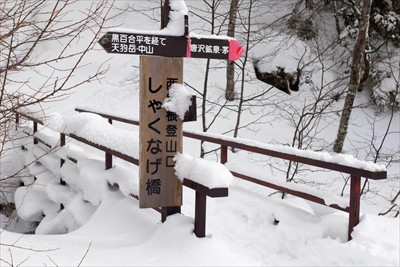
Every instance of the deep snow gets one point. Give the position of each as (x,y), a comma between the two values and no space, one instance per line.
(248,228)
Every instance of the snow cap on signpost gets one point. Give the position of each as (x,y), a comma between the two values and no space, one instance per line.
(161,66)
(172,41)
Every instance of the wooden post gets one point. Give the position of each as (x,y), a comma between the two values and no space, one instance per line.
(354,209)
(224,154)
(191,114)
(62,143)
(166,211)
(160,134)
(108,156)
(200,214)
(62,161)
(35,128)
(165,9)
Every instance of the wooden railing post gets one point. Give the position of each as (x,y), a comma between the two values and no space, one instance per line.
(200,214)
(35,128)
(62,143)
(62,161)
(224,154)
(108,156)
(167,211)
(354,209)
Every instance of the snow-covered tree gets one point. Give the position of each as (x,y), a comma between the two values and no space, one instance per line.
(357,67)
(42,47)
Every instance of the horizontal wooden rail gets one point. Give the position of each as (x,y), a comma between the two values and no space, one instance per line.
(110,117)
(105,149)
(31,118)
(289,191)
(201,191)
(43,142)
(375,175)
(83,140)
(213,192)
(225,142)
(355,173)
(286,156)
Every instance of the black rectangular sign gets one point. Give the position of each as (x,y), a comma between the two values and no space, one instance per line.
(144,44)
(209,48)
(171,46)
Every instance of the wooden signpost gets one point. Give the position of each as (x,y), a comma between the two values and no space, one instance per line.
(171,46)
(161,65)
(160,133)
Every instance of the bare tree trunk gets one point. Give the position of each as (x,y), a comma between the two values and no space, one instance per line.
(205,87)
(230,71)
(309,4)
(238,118)
(337,23)
(204,106)
(356,67)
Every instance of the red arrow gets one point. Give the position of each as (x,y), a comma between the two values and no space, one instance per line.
(235,50)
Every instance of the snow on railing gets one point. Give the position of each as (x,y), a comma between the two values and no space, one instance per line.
(208,173)
(337,162)
(92,180)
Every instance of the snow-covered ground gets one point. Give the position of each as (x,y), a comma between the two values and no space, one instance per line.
(103,226)
(240,231)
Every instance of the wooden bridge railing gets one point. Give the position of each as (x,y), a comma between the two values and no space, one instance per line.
(355,172)
(201,191)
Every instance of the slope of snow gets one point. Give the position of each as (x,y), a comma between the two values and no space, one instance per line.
(102,226)
(241,232)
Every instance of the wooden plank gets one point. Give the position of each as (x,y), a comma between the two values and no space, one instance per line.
(214,192)
(160,133)
(38,140)
(289,191)
(376,175)
(114,118)
(105,149)
(29,117)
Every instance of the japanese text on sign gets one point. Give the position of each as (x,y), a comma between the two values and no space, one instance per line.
(165,149)
(209,49)
(133,43)
(160,134)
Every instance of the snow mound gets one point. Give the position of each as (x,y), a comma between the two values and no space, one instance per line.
(179,100)
(208,173)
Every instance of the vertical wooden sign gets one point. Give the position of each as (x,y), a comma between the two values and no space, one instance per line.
(160,133)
